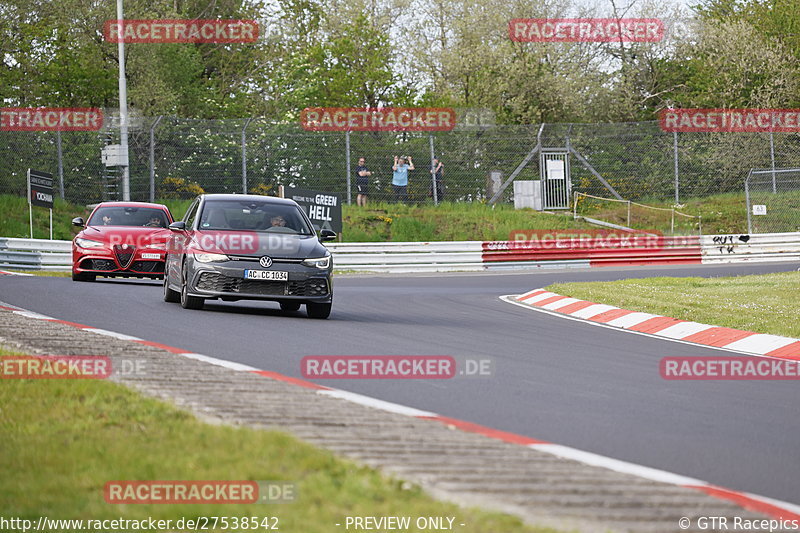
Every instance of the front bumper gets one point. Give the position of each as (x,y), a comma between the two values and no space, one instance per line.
(305,284)
(103,262)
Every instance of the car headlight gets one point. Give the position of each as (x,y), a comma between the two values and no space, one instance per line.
(86,243)
(210,258)
(319,262)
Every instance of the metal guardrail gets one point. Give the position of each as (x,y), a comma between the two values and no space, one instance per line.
(760,247)
(451,256)
(401,257)
(35,254)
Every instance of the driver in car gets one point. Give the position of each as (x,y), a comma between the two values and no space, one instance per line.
(277,221)
(154,222)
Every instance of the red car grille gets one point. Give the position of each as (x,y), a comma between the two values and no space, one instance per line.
(124,254)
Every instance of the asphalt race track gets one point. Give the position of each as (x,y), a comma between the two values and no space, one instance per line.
(557,380)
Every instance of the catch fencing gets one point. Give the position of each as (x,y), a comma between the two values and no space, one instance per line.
(406,257)
(173,158)
(773,200)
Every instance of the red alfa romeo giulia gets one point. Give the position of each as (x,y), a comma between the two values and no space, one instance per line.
(121,239)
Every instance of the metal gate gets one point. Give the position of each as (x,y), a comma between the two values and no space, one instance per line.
(555,177)
(773,198)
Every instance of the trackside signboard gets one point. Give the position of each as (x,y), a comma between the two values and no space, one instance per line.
(40,188)
(323,208)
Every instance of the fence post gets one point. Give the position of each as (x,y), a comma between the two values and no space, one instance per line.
(629,213)
(433,174)
(153,158)
(772,159)
(60,164)
(347,164)
(244,155)
(675,156)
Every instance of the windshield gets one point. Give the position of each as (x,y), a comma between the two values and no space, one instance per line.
(254,216)
(129,216)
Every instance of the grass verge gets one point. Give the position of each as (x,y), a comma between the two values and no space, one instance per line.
(723,213)
(764,303)
(64,439)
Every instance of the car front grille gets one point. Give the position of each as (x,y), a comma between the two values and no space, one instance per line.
(124,254)
(107,265)
(216,282)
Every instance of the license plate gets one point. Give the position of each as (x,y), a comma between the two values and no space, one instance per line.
(269,275)
(151,256)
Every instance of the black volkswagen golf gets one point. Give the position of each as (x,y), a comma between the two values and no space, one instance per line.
(246,247)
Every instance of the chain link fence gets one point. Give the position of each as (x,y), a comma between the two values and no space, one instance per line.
(773,200)
(171,158)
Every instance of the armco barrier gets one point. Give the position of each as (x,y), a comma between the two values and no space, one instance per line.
(758,247)
(611,251)
(36,254)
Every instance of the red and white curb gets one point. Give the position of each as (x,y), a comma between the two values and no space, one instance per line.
(748,342)
(761,504)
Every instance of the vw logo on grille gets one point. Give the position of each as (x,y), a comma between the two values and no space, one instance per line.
(265,261)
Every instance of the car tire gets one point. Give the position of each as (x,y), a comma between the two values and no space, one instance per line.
(290,306)
(170,296)
(83,277)
(315,310)
(189,302)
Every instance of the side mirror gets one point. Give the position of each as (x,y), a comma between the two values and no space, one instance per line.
(327,235)
(178,226)
(78,221)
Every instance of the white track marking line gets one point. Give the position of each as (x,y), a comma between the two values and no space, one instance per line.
(107,333)
(31,314)
(791,507)
(9,273)
(218,362)
(593,310)
(530,293)
(588,458)
(376,403)
(761,343)
(560,303)
(683,330)
(631,320)
(539,297)
(616,465)
(511,299)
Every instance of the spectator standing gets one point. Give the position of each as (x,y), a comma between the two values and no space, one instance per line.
(400,177)
(362,182)
(437,170)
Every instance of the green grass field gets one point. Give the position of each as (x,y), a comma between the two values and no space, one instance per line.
(378,222)
(766,303)
(724,213)
(62,440)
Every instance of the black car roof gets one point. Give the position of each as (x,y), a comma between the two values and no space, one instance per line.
(249,197)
